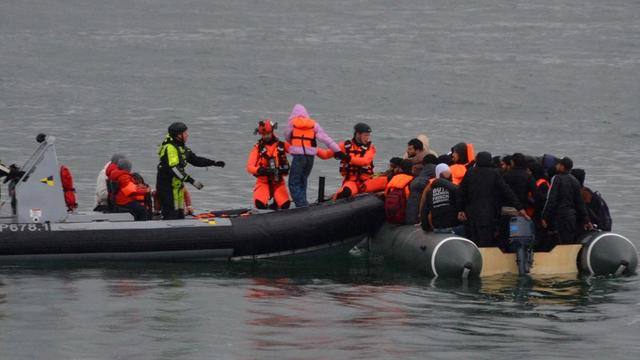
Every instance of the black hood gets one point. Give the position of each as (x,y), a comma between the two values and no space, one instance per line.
(483,159)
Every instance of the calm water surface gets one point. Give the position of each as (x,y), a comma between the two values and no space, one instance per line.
(105,76)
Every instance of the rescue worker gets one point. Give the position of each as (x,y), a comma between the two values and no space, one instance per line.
(303,134)
(397,193)
(357,164)
(565,209)
(482,193)
(462,156)
(102,193)
(268,163)
(174,156)
(440,209)
(129,193)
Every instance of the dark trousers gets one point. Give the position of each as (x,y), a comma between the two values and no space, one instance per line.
(138,211)
(165,196)
(301,166)
(566,227)
(482,235)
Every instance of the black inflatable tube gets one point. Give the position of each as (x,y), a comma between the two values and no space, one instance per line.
(283,231)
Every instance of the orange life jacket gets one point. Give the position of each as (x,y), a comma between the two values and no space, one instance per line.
(541,182)
(354,172)
(400,181)
(272,155)
(303,132)
(67,186)
(459,170)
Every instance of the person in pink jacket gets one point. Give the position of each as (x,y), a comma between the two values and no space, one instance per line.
(303,134)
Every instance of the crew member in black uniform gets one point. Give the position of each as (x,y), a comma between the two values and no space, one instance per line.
(174,156)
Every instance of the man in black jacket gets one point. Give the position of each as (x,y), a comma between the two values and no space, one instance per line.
(482,194)
(440,209)
(564,208)
(522,182)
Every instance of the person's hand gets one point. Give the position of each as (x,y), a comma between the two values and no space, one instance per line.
(197,184)
(342,156)
(588,226)
(544,224)
(263,171)
(219,164)
(462,216)
(189,210)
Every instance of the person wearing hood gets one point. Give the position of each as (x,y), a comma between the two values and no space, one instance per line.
(483,192)
(462,155)
(417,187)
(174,156)
(420,150)
(128,192)
(523,184)
(268,163)
(439,208)
(564,210)
(597,208)
(356,165)
(102,192)
(303,134)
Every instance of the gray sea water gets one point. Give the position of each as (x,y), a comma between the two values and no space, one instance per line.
(556,76)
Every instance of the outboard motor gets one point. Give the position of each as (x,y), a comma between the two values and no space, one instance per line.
(522,238)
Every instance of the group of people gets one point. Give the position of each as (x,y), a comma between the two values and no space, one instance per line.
(460,192)
(474,195)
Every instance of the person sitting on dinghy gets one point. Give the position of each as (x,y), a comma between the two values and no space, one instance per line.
(268,163)
(102,192)
(439,208)
(128,192)
(174,157)
(356,166)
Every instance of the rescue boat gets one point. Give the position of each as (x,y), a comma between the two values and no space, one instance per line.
(448,255)
(37,226)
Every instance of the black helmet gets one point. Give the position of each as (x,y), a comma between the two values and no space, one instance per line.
(361,128)
(177,128)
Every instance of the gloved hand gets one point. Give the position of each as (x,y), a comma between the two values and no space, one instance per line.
(339,155)
(197,184)
(219,164)
(263,171)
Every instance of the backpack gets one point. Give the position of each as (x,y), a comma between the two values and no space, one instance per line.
(67,187)
(395,206)
(599,212)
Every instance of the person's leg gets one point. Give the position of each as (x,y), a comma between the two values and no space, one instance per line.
(164,190)
(178,199)
(138,211)
(375,184)
(261,195)
(281,196)
(566,227)
(348,189)
(296,180)
(308,166)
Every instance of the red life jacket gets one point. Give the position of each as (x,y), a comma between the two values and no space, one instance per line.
(67,187)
